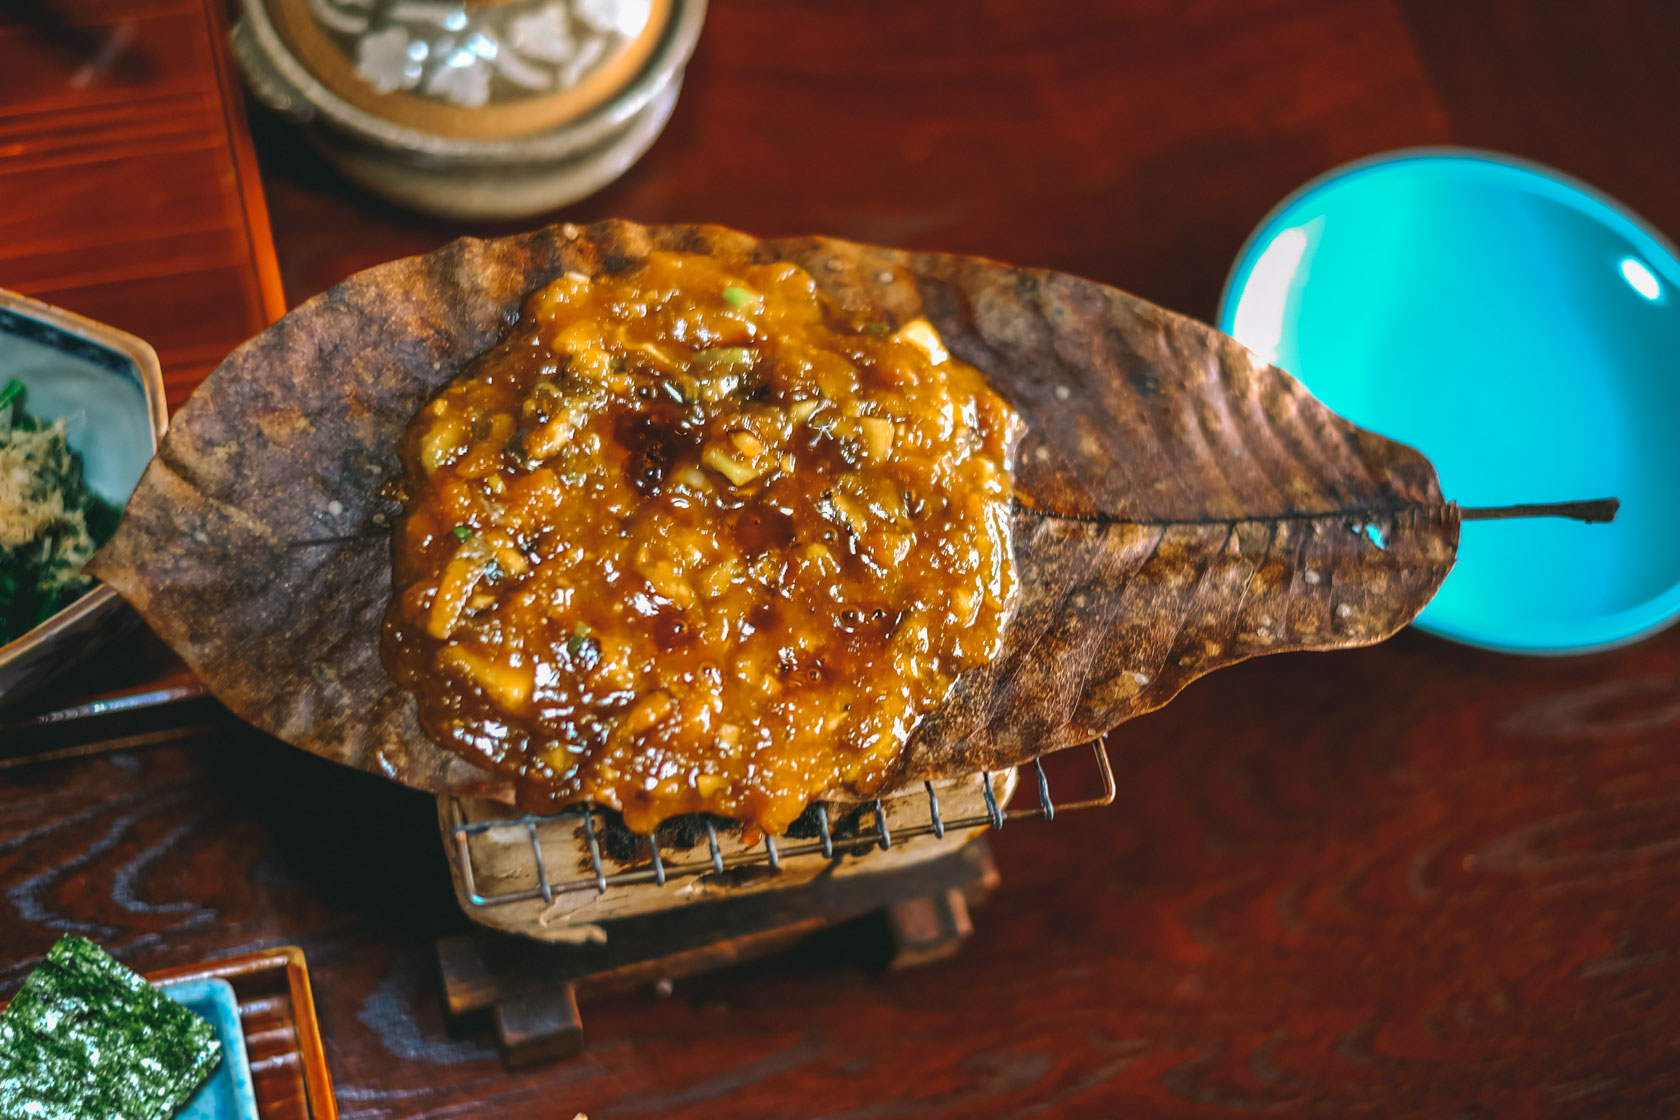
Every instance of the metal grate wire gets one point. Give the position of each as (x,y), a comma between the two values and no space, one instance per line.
(769,854)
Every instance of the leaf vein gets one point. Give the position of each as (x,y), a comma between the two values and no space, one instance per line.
(1173,522)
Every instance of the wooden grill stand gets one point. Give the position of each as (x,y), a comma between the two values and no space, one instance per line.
(530,986)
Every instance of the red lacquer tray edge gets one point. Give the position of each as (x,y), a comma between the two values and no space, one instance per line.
(312,1056)
(317,1078)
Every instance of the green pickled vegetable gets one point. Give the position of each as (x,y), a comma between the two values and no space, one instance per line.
(87,1038)
(579,636)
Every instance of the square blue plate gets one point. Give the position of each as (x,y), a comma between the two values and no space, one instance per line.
(228,1095)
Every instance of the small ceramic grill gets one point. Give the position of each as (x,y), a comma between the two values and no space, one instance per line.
(617,910)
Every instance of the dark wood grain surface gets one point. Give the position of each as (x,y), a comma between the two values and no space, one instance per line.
(1416,880)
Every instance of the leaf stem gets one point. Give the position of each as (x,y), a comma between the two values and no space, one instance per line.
(1595,510)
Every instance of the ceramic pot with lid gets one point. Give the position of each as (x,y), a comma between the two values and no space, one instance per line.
(472,108)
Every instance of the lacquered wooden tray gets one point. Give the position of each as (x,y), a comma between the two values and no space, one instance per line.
(282,1038)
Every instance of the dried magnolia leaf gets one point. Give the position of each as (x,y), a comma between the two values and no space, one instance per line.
(1181,506)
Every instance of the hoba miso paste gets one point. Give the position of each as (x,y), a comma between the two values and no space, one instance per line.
(694,539)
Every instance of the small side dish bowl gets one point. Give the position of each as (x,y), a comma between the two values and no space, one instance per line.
(1517,327)
(109,385)
(499,110)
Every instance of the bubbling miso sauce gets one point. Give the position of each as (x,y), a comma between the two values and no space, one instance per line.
(694,539)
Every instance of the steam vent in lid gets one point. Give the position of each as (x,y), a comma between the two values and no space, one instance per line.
(472,108)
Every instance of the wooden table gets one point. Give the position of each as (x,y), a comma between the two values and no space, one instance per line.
(1411,880)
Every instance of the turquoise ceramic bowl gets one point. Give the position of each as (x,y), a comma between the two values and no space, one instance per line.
(1521,330)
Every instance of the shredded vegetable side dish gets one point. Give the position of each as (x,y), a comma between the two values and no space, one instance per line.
(50,522)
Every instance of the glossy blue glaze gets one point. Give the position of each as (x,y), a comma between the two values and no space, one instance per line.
(1521,330)
(229,1094)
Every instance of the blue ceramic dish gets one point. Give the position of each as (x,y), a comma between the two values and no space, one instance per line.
(1520,329)
(229,1094)
(108,383)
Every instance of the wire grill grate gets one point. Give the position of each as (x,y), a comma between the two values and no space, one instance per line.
(770,853)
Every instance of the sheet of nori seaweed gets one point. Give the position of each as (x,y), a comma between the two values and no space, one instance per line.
(87,1038)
